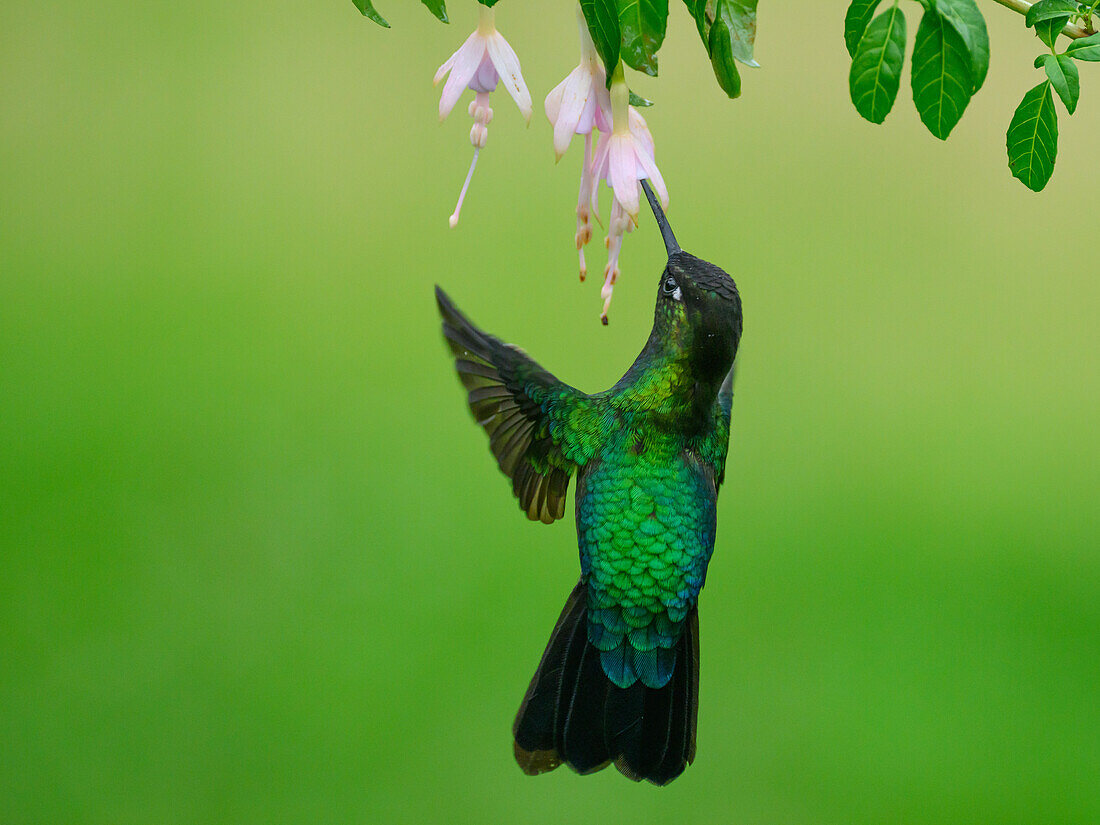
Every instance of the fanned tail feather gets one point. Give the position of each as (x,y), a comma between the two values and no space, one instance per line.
(574,714)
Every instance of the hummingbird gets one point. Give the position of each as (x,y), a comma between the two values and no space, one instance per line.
(619,679)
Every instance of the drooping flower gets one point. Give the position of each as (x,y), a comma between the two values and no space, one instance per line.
(573,105)
(479,64)
(624,156)
(577,106)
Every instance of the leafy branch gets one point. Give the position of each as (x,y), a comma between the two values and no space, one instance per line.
(950,61)
(950,58)
(1069,30)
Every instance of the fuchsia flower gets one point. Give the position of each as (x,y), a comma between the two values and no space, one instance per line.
(577,106)
(479,64)
(580,105)
(624,157)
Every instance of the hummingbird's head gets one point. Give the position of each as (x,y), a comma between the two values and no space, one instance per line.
(698,304)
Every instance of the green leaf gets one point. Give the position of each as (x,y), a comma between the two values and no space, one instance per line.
(722,59)
(638,100)
(1049,10)
(941,74)
(489,3)
(438,8)
(642,25)
(1063,76)
(697,10)
(970,24)
(727,29)
(739,17)
(1033,138)
(1086,48)
(367,9)
(876,68)
(1049,17)
(855,22)
(1049,29)
(603,24)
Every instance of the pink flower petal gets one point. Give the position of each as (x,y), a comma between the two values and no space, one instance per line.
(622,172)
(649,166)
(603,103)
(465,63)
(640,130)
(485,78)
(598,171)
(599,159)
(507,66)
(587,121)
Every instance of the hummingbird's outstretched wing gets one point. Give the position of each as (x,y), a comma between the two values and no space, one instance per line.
(539,428)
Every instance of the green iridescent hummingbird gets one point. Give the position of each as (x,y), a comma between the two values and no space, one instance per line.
(619,680)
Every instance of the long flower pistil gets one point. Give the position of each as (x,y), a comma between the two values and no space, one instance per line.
(481,62)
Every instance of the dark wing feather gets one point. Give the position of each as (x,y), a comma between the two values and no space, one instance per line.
(518,403)
(725,408)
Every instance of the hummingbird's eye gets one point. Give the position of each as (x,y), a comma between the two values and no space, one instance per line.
(669,285)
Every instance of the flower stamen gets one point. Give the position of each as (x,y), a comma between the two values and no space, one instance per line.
(453,220)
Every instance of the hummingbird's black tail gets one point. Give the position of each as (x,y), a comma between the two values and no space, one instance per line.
(573,713)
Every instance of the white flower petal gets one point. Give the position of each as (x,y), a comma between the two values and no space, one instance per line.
(553,102)
(441,72)
(573,100)
(507,66)
(465,63)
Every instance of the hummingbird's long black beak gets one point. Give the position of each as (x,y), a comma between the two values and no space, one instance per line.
(666,231)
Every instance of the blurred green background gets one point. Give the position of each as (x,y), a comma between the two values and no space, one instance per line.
(257,563)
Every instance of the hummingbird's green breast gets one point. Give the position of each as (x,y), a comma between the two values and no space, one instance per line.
(645,526)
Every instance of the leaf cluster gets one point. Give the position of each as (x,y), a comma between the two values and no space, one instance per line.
(634,30)
(1033,133)
(950,61)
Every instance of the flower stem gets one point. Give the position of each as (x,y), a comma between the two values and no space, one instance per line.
(486,21)
(1022,6)
(620,101)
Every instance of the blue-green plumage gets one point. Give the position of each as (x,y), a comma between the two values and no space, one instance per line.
(619,679)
